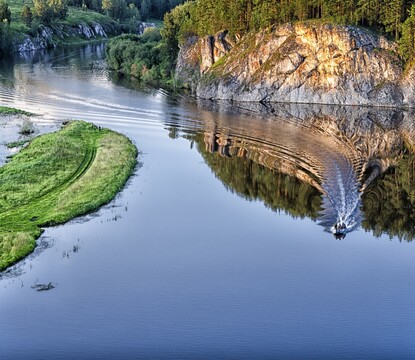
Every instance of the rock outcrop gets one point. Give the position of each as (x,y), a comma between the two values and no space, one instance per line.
(298,63)
(48,36)
(142,26)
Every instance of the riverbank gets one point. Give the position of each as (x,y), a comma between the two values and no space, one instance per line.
(57,177)
(79,26)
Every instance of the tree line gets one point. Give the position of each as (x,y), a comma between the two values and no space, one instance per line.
(241,16)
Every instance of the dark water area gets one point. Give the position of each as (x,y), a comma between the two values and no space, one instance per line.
(246,232)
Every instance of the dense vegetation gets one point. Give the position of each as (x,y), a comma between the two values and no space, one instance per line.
(145,57)
(241,16)
(57,177)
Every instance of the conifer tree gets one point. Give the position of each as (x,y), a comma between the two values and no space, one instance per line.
(407,41)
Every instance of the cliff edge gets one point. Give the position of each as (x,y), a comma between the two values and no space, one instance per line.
(298,63)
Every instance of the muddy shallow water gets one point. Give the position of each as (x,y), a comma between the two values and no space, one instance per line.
(215,248)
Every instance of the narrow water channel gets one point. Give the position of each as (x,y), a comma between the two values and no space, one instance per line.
(221,245)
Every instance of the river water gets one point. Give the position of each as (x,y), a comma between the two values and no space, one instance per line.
(221,245)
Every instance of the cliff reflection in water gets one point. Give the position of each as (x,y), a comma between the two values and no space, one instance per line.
(326,163)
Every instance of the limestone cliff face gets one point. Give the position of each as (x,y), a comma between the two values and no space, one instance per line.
(47,36)
(301,63)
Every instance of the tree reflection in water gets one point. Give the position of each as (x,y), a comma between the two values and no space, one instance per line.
(325,163)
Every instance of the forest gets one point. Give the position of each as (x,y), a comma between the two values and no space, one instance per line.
(241,16)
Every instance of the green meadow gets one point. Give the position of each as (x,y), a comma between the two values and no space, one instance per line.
(57,177)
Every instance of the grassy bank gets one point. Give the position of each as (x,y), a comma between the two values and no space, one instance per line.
(4,110)
(57,177)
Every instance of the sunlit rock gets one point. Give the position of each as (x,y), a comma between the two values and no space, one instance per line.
(301,63)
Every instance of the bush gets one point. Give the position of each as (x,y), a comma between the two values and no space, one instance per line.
(141,56)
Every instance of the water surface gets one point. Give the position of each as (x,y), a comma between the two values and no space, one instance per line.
(221,244)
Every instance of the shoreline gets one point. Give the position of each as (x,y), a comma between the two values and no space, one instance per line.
(57,177)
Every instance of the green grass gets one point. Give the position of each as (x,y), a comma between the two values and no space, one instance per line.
(57,177)
(4,110)
(77,16)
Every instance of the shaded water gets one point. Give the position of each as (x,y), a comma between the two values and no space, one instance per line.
(187,262)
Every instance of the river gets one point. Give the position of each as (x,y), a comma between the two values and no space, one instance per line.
(221,245)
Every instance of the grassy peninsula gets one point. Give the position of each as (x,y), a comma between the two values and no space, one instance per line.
(57,177)
(4,110)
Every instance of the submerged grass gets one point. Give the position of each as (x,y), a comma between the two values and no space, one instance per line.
(57,177)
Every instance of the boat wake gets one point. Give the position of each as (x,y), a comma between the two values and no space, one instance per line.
(341,201)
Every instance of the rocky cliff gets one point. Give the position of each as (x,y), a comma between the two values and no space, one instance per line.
(48,36)
(298,63)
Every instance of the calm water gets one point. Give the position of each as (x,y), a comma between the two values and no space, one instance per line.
(221,245)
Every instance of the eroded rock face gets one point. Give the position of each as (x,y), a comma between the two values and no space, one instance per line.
(47,35)
(43,40)
(299,63)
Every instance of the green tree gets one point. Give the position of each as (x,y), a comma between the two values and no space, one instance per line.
(59,8)
(239,14)
(391,16)
(407,41)
(49,10)
(106,6)
(145,9)
(117,9)
(5,13)
(177,26)
(264,13)
(27,15)
(133,12)
(301,9)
